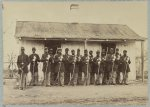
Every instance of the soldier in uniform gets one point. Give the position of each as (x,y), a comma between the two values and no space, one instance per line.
(111,76)
(91,65)
(59,67)
(124,65)
(67,73)
(22,63)
(103,65)
(73,68)
(34,59)
(117,66)
(86,68)
(80,67)
(46,71)
(51,67)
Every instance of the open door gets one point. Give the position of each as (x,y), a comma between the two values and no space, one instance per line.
(53,44)
(108,46)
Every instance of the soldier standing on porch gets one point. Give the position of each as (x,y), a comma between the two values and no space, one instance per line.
(117,66)
(111,77)
(22,63)
(80,67)
(46,72)
(34,59)
(59,67)
(125,69)
(86,67)
(91,65)
(67,73)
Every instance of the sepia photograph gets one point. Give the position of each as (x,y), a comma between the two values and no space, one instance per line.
(75,52)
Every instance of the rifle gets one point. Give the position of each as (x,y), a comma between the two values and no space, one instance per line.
(46,72)
(57,79)
(125,71)
(87,72)
(112,68)
(99,64)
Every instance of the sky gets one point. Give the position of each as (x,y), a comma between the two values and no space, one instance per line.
(132,14)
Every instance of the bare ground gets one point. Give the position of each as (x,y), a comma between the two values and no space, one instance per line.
(132,94)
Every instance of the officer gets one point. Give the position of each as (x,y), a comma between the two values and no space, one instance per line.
(117,66)
(66,62)
(86,67)
(91,66)
(59,67)
(124,65)
(79,66)
(111,76)
(34,59)
(46,71)
(22,63)
(73,68)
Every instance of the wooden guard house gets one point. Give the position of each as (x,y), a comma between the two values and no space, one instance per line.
(79,35)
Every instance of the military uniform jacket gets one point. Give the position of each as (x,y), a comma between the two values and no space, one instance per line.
(74,63)
(117,62)
(22,62)
(34,59)
(79,62)
(124,64)
(51,63)
(66,62)
(110,62)
(45,61)
(91,62)
(85,64)
(59,63)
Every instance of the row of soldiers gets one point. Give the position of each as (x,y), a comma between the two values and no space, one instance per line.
(59,69)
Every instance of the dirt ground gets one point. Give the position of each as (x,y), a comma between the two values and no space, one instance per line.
(133,94)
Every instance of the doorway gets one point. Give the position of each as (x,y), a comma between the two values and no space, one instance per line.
(108,46)
(51,44)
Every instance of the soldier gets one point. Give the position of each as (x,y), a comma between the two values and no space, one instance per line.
(79,66)
(46,71)
(99,67)
(86,68)
(73,69)
(124,65)
(34,59)
(59,67)
(22,63)
(111,74)
(67,73)
(117,66)
(51,67)
(91,65)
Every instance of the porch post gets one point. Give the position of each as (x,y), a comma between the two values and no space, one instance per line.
(142,60)
(85,44)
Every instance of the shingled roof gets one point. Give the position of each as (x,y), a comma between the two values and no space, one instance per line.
(33,29)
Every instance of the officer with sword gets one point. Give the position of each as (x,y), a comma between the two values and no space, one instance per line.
(22,63)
